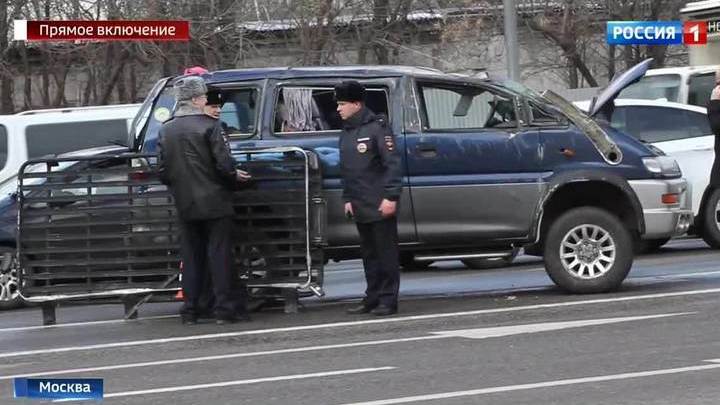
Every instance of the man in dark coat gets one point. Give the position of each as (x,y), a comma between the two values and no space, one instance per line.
(713,111)
(195,162)
(371,172)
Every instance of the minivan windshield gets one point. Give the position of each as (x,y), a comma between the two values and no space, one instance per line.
(537,98)
(521,89)
(657,87)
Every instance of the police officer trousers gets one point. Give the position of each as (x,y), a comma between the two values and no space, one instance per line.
(207,251)
(381,260)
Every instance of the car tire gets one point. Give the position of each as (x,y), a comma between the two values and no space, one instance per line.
(711,220)
(644,246)
(9,283)
(491,263)
(588,250)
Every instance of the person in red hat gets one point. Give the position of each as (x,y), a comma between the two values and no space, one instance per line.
(195,70)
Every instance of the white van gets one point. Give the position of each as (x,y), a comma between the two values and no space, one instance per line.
(686,85)
(32,134)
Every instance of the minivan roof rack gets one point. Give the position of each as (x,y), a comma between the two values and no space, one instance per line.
(76,109)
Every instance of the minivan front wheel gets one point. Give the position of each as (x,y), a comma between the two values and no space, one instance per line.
(588,250)
(9,282)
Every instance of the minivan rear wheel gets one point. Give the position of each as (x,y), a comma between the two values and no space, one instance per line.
(588,250)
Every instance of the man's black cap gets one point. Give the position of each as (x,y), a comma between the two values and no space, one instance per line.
(350,90)
(215,98)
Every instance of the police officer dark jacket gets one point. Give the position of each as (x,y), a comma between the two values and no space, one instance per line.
(201,179)
(370,164)
(713,111)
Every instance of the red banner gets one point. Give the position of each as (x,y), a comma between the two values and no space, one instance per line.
(104,30)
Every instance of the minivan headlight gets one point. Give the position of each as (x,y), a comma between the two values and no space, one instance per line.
(663,166)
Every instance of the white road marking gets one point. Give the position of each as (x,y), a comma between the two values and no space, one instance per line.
(89,323)
(479,333)
(175,339)
(682,275)
(484,333)
(227,356)
(546,384)
(246,382)
(114,321)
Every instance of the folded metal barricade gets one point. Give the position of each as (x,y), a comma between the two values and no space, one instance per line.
(104,227)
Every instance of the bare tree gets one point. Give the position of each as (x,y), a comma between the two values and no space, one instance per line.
(566,26)
(457,35)
(314,22)
(9,10)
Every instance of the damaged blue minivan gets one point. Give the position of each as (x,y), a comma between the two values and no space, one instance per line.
(489,167)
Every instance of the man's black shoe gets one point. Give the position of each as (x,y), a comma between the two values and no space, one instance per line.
(384,310)
(188,319)
(360,309)
(224,320)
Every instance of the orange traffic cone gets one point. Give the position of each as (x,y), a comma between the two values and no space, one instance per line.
(179,296)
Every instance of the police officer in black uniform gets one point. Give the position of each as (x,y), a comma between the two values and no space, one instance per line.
(214,104)
(370,166)
(195,162)
(713,112)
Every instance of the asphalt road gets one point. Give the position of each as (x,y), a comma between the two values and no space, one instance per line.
(462,337)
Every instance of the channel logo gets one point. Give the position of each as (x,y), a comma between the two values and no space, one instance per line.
(695,33)
(657,32)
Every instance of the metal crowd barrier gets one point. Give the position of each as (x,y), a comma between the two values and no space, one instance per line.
(105,227)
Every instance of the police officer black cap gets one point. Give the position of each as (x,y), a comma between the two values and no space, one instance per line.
(350,90)
(214,97)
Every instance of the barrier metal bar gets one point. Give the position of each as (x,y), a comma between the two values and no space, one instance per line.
(76,253)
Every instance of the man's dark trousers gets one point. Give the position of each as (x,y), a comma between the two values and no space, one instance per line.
(207,246)
(381,259)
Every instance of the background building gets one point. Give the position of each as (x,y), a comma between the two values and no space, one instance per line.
(705,11)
